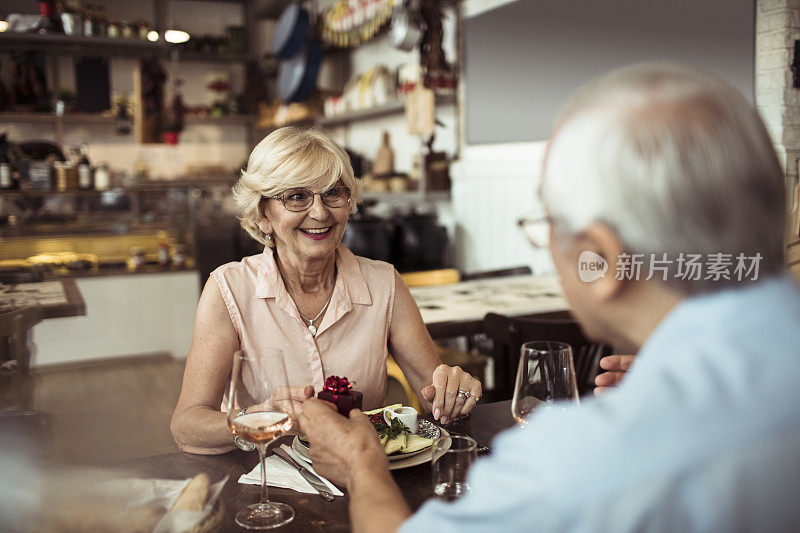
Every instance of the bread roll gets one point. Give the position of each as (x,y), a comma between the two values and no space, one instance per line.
(193,497)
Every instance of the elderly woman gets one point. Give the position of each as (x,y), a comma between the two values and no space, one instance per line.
(331,313)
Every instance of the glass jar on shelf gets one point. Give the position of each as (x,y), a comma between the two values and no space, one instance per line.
(138,259)
(102,177)
(114,29)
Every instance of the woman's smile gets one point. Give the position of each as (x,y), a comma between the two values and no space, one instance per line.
(317,234)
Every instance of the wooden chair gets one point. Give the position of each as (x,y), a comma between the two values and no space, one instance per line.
(431,277)
(15,327)
(479,343)
(393,372)
(509,333)
(419,279)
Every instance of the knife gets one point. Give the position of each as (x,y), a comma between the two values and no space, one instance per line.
(307,474)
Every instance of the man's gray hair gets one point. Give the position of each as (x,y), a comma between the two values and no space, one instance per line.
(673,159)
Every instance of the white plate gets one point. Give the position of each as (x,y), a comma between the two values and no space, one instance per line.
(407,461)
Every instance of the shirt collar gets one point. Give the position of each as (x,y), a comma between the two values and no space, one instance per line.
(270,283)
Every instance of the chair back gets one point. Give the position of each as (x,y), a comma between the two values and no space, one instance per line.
(426,278)
(508,334)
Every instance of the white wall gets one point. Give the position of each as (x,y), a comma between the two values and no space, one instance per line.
(523,59)
(493,186)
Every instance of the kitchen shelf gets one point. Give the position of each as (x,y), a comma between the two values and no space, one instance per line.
(211,57)
(65,44)
(49,118)
(34,118)
(408,196)
(391,108)
(233,120)
(199,183)
(92,118)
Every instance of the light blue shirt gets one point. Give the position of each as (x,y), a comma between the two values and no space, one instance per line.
(704,435)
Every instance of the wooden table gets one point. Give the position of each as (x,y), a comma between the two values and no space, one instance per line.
(56,299)
(23,305)
(312,513)
(458,309)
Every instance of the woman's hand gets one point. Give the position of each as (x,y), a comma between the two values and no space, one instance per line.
(453,393)
(290,399)
(615,367)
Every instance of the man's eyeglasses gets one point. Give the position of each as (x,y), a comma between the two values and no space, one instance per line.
(536,229)
(301,199)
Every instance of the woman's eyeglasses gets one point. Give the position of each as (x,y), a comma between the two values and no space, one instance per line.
(301,199)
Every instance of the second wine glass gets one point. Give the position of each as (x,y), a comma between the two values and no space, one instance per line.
(260,384)
(546,374)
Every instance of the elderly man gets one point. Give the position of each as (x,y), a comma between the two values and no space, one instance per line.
(656,170)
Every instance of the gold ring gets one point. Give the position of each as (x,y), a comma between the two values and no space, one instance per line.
(474,398)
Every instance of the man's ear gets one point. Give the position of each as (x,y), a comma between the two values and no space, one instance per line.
(595,245)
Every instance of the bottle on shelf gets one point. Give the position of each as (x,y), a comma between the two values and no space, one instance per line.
(8,175)
(84,170)
(47,12)
(163,250)
(179,259)
(101,29)
(88,21)
(142,172)
(138,260)
(58,10)
(67,175)
(7,181)
(60,176)
(102,177)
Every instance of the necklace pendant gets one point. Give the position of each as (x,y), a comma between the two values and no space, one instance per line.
(313,329)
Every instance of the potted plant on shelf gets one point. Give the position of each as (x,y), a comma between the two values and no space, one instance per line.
(220,88)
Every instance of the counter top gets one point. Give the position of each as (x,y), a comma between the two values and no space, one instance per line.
(57,299)
(104,272)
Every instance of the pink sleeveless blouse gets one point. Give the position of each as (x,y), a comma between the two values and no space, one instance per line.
(351,341)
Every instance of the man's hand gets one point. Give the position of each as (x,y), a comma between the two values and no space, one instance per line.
(341,446)
(615,366)
(443,393)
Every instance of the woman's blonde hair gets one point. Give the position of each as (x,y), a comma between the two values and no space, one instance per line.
(285,159)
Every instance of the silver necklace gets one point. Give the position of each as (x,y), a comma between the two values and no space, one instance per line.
(311,327)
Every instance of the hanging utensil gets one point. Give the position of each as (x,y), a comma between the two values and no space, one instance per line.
(290,31)
(297,77)
(406,32)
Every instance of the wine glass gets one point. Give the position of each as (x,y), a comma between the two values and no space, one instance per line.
(546,375)
(260,384)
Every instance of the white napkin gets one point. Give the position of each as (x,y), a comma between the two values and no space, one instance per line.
(283,475)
